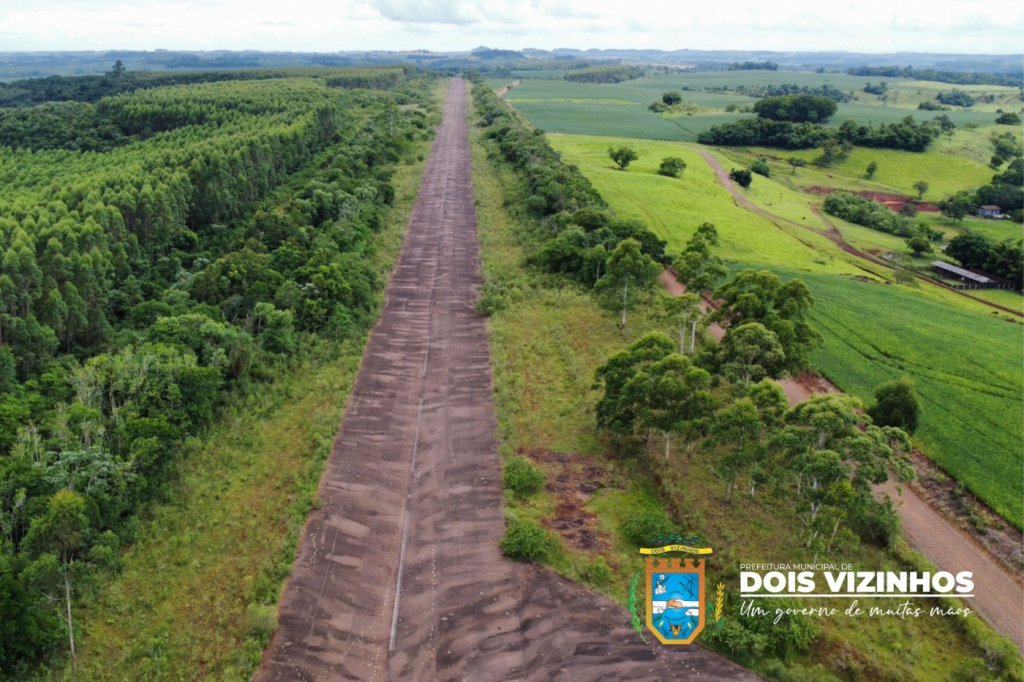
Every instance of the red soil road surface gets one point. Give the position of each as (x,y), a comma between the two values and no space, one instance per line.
(999,598)
(399,575)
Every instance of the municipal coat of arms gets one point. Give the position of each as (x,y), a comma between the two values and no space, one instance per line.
(675,599)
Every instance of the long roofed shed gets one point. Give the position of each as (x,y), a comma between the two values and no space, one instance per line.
(956,271)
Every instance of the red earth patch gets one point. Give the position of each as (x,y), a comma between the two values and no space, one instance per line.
(894,202)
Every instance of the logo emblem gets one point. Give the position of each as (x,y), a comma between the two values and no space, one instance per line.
(675,599)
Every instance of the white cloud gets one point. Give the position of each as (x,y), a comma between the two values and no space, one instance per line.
(972,26)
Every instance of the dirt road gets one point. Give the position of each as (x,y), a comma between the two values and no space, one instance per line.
(399,575)
(999,598)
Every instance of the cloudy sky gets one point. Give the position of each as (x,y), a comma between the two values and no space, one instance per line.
(969,26)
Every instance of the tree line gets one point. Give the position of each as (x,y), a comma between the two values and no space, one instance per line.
(906,134)
(119,80)
(605,74)
(956,77)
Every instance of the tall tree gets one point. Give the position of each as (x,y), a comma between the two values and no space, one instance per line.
(56,539)
(629,271)
(680,312)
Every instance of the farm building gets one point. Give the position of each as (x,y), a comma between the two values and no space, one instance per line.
(990,211)
(971,280)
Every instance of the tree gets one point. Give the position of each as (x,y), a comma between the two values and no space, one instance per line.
(872,169)
(613,410)
(699,271)
(739,427)
(117,70)
(669,392)
(672,167)
(795,163)
(622,156)
(896,404)
(679,312)
(761,167)
(56,538)
(796,108)
(648,386)
(957,206)
(919,245)
(741,177)
(753,296)
(672,97)
(829,152)
(922,187)
(1009,118)
(750,352)
(631,270)
(970,249)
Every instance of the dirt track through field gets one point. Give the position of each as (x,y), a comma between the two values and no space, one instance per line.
(399,575)
(831,233)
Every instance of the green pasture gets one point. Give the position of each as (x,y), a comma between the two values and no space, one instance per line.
(674,207)
(872,332)
(897,172)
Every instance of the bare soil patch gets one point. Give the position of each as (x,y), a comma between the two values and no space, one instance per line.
(894,202)
(573,479)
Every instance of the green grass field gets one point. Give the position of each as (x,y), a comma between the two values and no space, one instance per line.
(872,332)
(897,172)
(673,208)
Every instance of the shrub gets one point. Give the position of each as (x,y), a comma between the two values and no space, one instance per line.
(262,619)
(523,477)
(596,572)
(755,637)
(671,166)
(527,540)
(645,521)
(876,522)
(761,167)
(741,177)
(896,405)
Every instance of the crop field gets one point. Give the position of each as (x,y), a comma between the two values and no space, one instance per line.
(970,393)
(620,109)
(872,332)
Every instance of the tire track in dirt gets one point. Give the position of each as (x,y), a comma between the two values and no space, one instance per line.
(399,575)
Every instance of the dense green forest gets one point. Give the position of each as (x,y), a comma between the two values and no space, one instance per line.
(211,230)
